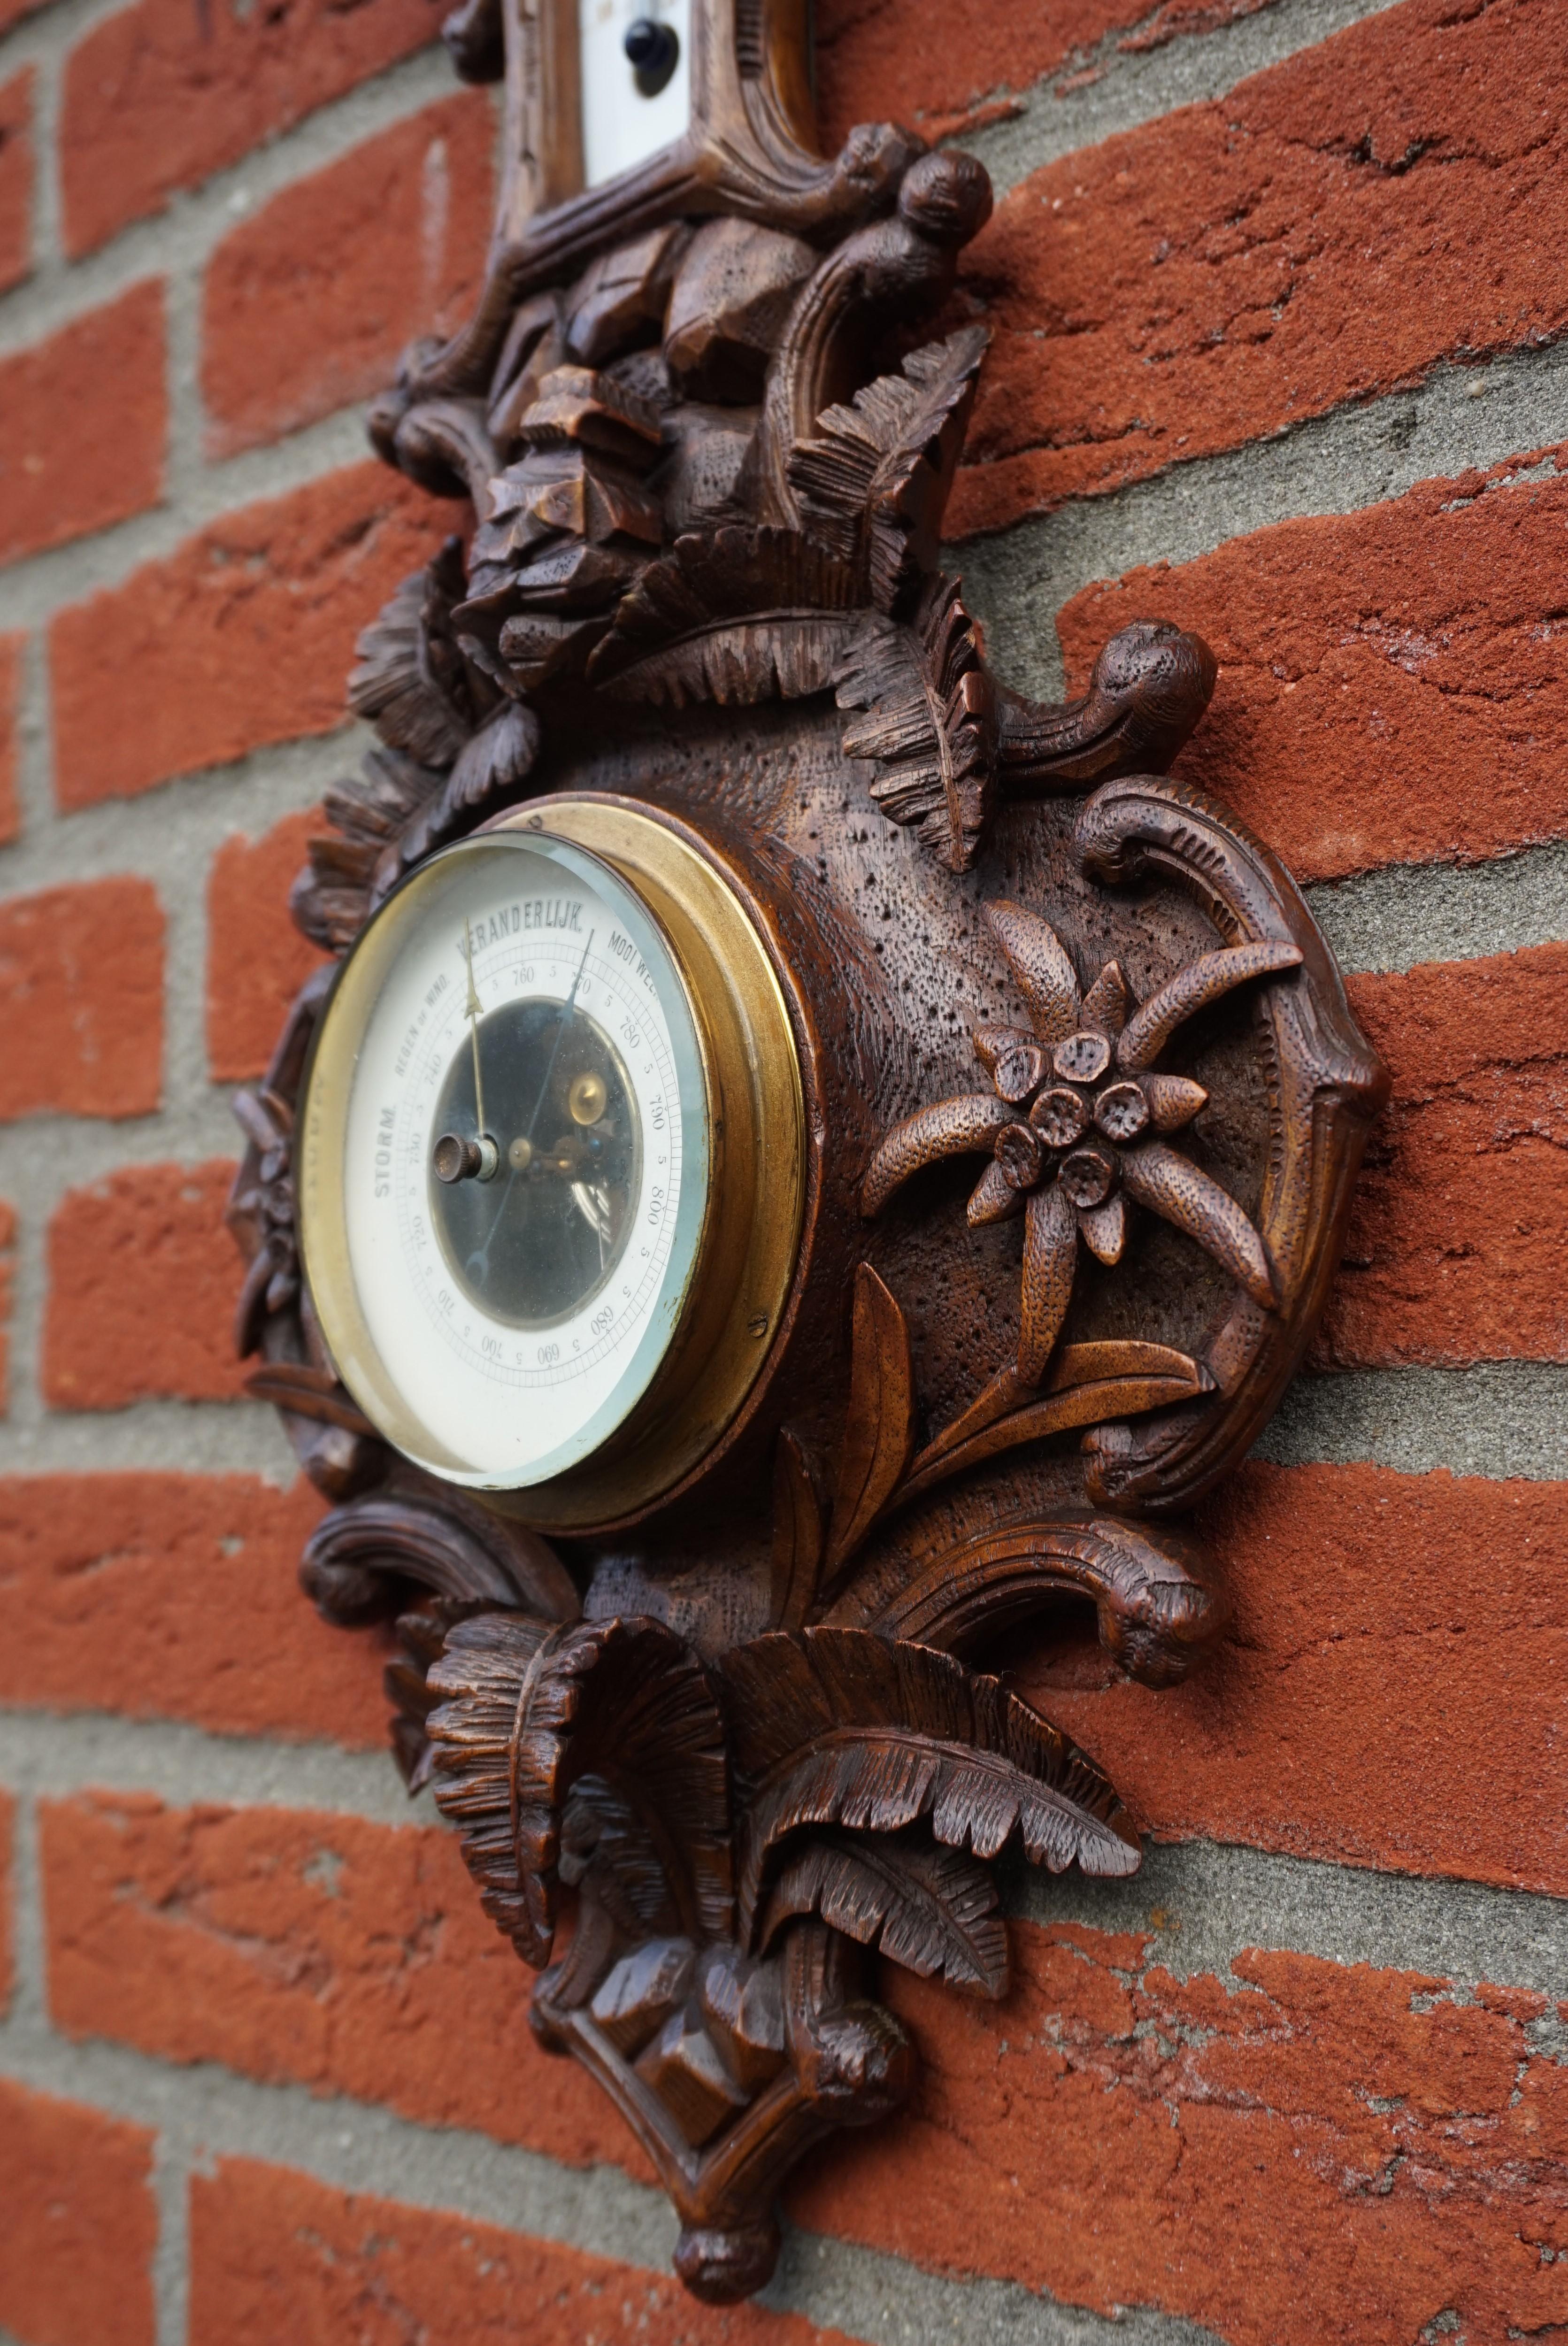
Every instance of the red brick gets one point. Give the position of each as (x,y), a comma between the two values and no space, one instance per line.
(243,636)
(943,66)
(277,2255)
(307,1949)
(7,1898)
(7,1265)
(932,66)
(1391,1692)
(12,651)
(1332,228)
(1458,1248)
(257,961)
(81,1000)
(175,1596)
(1391,687)
(1311,2155)
(15,178)
(86,416)
(12,11)
(161,95)
(142,1282)
(80,2229)
(306,306)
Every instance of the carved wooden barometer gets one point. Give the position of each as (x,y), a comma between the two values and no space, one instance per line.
(805,1165)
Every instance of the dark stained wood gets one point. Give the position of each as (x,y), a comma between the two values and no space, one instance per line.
(1086,1099)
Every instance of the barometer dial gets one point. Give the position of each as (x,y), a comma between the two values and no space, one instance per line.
(519,1174)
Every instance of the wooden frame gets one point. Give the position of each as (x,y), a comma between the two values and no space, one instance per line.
(740,1725)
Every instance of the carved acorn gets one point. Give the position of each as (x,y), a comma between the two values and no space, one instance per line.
(1075,1119)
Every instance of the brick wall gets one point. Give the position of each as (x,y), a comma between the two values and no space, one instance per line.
(1278,292)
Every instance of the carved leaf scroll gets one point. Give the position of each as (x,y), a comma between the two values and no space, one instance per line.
(839,1727)
(932,722)
(1158,1611)
(931,1910)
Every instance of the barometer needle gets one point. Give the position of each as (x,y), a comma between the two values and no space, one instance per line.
(565,1020)
(481,1255)
(474,1010)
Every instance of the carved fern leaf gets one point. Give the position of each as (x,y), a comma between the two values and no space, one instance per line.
(490,770)
(931,726)
(879,1427)
(929,1909)
(410,682)
(527,1711)
(875,480)
(839,1726)
(744,615)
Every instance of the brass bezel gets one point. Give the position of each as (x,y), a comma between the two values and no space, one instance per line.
(749,1249)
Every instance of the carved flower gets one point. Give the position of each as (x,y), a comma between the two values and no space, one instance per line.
(1074,1122)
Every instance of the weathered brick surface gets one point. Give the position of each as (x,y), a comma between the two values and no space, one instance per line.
(1317,2151)
(947,66)
(1458,1248)
(142,1282)
(317,1950)
(243,636)
(306,306)
(1379,1619)
(1391,687)
(257,960)
(275,2254)
(936,66)
(1333,227)
(81,1000)
(157,97)
(12,651)
(175,1596)
(76,2245)
(7,1266)
(87,415)
(7,1898)
(15,178)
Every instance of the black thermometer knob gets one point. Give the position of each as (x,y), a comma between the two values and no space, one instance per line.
(652,52)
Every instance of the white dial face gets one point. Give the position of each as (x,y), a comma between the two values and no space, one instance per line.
(635,79)
(523,1159)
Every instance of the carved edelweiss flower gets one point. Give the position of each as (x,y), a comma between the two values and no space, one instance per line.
(1075,1121)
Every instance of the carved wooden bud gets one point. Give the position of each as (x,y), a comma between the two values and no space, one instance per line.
(685,2069)
(1121,1111)
(1082,1058)
(1019,1156)
(1087,1176)
(727,310)
(743,2004)
(621,294)
(1059,1116)
(635,1999)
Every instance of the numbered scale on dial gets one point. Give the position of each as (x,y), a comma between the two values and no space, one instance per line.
(501,1209)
